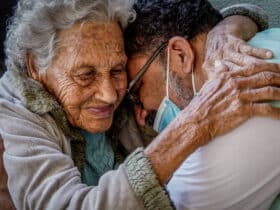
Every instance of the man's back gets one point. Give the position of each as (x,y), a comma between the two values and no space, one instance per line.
(239,170)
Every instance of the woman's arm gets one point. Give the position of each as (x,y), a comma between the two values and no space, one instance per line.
(233,96)
(42,175)
(5,198)
(228,39)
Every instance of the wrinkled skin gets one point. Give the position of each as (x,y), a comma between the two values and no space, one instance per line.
(233,93)
(193,125)
(88,75)
(235,97)
(227,44)
(226,97)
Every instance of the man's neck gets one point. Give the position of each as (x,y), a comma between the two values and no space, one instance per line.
(198,44)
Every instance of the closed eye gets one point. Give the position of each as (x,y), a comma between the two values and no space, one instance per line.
(118,70)
(87,75)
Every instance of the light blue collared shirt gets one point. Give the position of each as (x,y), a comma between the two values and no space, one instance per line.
(269,39)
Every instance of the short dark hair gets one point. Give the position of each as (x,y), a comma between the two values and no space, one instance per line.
(159,20)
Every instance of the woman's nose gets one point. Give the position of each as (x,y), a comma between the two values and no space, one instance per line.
(107,91)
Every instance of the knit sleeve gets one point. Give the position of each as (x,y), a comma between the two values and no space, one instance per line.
(254,12)
(145,184)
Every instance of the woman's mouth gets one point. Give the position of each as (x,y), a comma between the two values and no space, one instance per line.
(101,111)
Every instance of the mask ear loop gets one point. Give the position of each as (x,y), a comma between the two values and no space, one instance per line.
(193,83)
(167,72)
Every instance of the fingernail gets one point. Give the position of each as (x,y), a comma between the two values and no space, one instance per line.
(269,54)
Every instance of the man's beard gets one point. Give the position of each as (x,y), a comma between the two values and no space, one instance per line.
(147,131)
(185,94)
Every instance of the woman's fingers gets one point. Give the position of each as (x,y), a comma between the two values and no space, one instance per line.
(259,80)
(231,66)
(255,68)
(229,91)
(240,59)
(260,95)
(261,53)
(264,110)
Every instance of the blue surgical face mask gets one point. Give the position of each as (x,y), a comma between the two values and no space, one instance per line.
(166,113)
(168,110)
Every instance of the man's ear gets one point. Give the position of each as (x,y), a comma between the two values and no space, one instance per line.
(181,54)
(140,115)
(31,68)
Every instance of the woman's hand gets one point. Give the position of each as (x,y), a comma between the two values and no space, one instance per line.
(232,97)
(228,41)
(222,104)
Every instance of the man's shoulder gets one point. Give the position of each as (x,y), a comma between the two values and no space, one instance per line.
(235,170)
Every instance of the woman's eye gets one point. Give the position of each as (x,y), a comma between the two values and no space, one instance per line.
(86,76)
(116,72)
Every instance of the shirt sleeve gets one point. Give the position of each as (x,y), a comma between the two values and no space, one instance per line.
(42,175)
(256,13)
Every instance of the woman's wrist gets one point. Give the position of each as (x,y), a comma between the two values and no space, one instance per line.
(256,13)
(241,27)
(173,145)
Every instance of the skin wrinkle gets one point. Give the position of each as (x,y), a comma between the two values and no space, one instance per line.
(97,73)
(220,89)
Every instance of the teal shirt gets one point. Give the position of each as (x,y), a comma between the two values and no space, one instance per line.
(270,39)
(99,157)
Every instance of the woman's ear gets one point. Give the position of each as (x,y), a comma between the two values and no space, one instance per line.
(181,54)
(31,68)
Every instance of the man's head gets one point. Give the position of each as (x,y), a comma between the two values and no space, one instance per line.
(179,27)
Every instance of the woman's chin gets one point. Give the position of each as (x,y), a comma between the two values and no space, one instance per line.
(98,125)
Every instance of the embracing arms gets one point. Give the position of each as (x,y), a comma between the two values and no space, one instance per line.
(55,183)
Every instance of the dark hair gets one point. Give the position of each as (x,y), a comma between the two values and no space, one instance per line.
(159,20)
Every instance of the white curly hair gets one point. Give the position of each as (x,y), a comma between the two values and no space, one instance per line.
(35,26)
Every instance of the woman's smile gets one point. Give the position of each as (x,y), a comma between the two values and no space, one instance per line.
(103,111)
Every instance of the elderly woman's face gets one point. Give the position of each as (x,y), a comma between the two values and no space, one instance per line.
(88,74)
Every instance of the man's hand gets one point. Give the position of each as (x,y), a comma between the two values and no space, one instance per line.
(228,41)
(5,199)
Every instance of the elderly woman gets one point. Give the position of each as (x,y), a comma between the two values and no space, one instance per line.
(66,77)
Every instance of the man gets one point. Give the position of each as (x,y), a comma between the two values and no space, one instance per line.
(44,200)
(239,170)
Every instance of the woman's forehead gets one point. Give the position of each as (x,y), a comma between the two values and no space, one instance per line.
(94,42)
(103,34)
